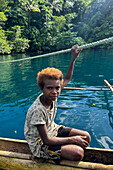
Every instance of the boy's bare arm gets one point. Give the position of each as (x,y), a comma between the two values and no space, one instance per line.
(78,140)
(75,53)
(42,129)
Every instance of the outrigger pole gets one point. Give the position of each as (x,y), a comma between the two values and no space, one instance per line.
(104,41)
(92,89)
(109,85)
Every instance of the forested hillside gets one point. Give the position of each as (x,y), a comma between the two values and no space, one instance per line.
(51,25)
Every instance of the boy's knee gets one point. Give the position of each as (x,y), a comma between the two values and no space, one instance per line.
(78,154)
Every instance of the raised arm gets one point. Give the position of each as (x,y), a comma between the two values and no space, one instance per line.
(75,53)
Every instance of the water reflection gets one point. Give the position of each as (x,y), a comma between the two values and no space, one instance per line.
(109,107)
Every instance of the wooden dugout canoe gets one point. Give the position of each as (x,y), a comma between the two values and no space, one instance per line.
(15,155)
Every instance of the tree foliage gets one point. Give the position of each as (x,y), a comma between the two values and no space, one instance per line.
(50,25)
(99,25)
(5,48)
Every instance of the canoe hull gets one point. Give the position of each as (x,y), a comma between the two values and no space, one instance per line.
(17,151)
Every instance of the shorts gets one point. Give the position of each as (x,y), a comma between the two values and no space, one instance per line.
(54,151)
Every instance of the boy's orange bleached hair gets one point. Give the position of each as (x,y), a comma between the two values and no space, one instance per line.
(49,73)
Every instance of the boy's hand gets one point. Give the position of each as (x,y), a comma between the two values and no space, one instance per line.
(75,52)
(80,140)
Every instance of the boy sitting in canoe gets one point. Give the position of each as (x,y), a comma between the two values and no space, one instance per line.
(46,139)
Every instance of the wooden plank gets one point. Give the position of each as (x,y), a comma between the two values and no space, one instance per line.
(16,155)
(23,162)
(86,165)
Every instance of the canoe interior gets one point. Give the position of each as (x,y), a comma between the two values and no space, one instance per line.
(14,145)
(95,155)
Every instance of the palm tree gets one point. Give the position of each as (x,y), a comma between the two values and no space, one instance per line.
(56,5)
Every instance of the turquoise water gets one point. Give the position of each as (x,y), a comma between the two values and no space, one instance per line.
(86,110)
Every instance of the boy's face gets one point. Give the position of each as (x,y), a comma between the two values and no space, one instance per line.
(52,89)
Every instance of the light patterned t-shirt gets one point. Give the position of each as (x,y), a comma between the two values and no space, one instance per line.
(37,115)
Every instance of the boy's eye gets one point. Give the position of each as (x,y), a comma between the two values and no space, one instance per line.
(49,88)
(57,88)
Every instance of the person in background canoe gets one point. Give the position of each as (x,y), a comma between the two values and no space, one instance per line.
(46,139)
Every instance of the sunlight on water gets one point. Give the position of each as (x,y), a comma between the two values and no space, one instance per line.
(106,142)
(86,110)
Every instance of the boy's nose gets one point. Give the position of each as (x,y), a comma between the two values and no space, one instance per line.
(54,91)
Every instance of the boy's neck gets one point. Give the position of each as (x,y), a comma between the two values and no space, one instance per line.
(46,103)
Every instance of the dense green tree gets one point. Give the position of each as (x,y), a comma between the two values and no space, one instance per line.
(18,43)
(5,48)
(33,35)
(3,5)
(55,5)
(29,6)
(2,18)
(99,24)
(66,39)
